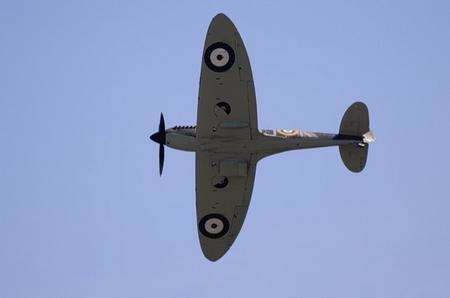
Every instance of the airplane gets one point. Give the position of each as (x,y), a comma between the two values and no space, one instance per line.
(228,144)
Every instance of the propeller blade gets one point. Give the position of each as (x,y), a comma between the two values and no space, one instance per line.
(161,158)
(162,130)
(162,125)
(160,138)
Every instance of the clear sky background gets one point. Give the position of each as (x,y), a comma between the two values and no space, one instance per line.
(84,213)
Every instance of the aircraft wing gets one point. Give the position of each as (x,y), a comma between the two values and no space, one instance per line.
(226,102)
(224,186)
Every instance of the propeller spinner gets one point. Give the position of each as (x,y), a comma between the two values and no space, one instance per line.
(160,138)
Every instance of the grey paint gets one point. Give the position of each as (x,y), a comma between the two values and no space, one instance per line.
(228,143)
(355,122)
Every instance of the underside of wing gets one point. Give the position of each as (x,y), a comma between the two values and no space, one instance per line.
(226,103)
(224,186)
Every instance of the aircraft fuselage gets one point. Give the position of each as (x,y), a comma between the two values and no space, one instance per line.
(268,142)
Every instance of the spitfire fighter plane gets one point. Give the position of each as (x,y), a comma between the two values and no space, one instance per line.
(228,144)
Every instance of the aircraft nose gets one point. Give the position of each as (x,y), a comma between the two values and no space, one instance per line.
(156,137)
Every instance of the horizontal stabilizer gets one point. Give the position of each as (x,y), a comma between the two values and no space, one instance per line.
(355,122)
(354,157)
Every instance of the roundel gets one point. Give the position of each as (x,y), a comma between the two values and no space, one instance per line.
(219,57)
(288,132)
(214,225)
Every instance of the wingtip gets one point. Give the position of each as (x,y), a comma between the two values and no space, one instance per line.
(221,15)
(213,251)
(213,258)
(221,18)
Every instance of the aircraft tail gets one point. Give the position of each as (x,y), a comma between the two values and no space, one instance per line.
(355,122)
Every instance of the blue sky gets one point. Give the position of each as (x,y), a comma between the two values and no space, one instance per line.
(84,213)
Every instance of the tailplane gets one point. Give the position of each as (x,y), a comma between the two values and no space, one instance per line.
(355,122)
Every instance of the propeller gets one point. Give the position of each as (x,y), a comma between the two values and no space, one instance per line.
(160,138)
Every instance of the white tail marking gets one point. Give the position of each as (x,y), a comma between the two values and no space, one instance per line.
(368,137)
